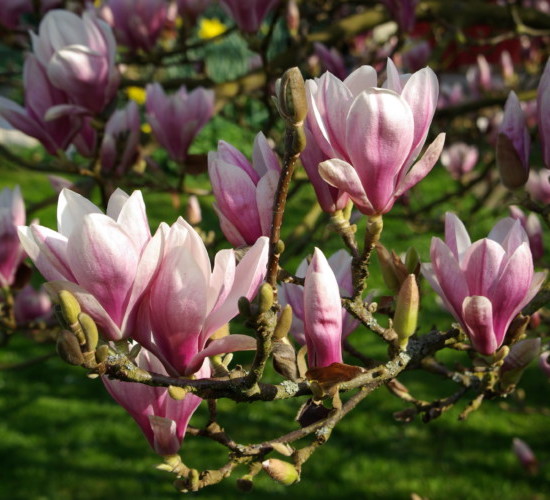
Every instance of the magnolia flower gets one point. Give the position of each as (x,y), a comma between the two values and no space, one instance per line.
(137,23)
(459,159)
(121,140)
(485,284)
(189,301)
(244,192)
(177,119)
(289,293)
(40,97)
(373,135)
(106,261)
(162,419)
(12,214)
(78,55)
(248,14)
(543,113)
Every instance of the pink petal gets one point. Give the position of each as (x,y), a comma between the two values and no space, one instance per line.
(265,197)
(482,264)
(343,176)
(456,235)
(71,209)
(361,79)
(477,313)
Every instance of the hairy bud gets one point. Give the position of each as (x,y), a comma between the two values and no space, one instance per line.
(265,298)
(90,331)
(291,96)
(281,471)
(406,311)
(68,348)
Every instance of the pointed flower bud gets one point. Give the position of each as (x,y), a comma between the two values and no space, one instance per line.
(405,319)
(32,305)
(70,308)
(485,284)
(90,331)
(193,212)
(291,96)
(544,363)
(513,145)
(68,348)
(281,471)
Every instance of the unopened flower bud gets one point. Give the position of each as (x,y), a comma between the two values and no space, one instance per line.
(265,298)
(90,331)
(281,471)
(68,348)
(284,360)
(177,393)
(388,271)
(70,308)
(525,456)
(512,173)
(515,363)
(406,310)
(291,96)
(283,323)
(245,483)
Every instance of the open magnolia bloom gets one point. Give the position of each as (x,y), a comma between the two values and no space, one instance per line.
(105,261)
(484,284)
(371,135)
(162,419)
(189,301)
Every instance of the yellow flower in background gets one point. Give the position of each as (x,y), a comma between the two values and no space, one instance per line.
(146,128)
(209,28)
(137,94)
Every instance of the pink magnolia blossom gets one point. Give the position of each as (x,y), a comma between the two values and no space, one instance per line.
(322,313)
(525,455)
(373,135)
(12,214)
(162,419)
(538,185)
(55,133)
(248,14)
(189,301)
(417,56)
(543,113)
(177,119)
(31,305)
(459,159)
(289,293)
(480,76)
(244,192)
(532,226)
(121,140)
(485,284)
(137,23)
(78,54)
(106,261)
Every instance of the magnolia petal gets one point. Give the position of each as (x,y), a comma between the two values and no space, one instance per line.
(456,235)
(361,79)
(228,229)
(343,176)
(482,264)
(265,196)
(222,278)
(133,219)
(477,313)
(229,343)
(423,166)
(71,209)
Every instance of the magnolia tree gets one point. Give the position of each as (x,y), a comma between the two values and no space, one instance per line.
(116,92)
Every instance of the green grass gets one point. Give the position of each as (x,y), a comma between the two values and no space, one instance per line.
(62,437)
